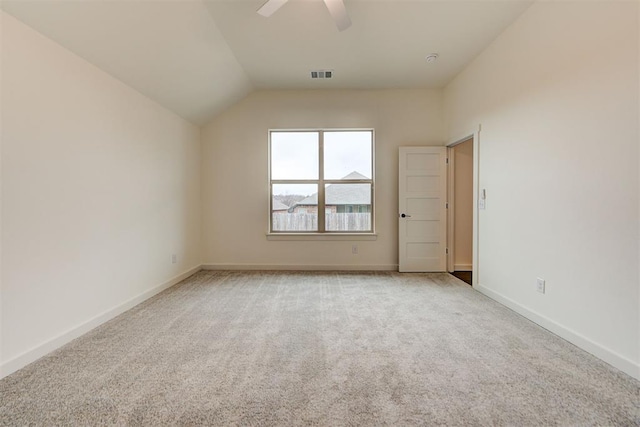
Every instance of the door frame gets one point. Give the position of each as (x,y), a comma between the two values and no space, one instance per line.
(474,135)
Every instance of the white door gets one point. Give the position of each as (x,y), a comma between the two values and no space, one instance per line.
(422,209)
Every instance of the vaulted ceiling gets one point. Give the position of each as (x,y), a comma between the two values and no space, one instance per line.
(198,57)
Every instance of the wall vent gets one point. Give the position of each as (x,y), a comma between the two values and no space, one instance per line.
(322,74)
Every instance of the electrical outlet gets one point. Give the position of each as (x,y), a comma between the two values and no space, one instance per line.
(354,249)
(540,285)
(174,258)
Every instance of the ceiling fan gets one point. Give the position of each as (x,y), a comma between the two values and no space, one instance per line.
(336,9)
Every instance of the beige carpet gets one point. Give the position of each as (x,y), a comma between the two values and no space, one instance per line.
(329,349)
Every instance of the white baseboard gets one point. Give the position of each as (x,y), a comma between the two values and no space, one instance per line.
(43,349)
(303,267)
(462,267)
(611,357)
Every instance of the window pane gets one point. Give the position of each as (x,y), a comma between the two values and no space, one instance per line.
(294,207)
(348,207)
(294,155)
(347,155)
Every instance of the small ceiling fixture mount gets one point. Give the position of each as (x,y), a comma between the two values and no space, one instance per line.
(432,57)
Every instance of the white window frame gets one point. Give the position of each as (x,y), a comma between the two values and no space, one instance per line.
(321,182)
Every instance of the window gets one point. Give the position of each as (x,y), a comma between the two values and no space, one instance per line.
(321,181)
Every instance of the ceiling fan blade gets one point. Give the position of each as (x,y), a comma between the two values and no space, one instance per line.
(270,7)
(338,13)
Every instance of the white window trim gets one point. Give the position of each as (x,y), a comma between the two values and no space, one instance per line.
(323,235)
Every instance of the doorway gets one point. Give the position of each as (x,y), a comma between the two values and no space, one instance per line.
(461,209)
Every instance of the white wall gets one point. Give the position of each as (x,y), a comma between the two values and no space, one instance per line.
(235,183)
(557,97)
(100,186)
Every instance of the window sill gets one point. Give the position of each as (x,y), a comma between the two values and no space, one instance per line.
(322,236)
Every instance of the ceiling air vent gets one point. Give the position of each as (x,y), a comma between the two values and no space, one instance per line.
(322,74)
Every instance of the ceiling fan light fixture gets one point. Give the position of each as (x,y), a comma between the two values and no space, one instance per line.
(270,7)
(337,10)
